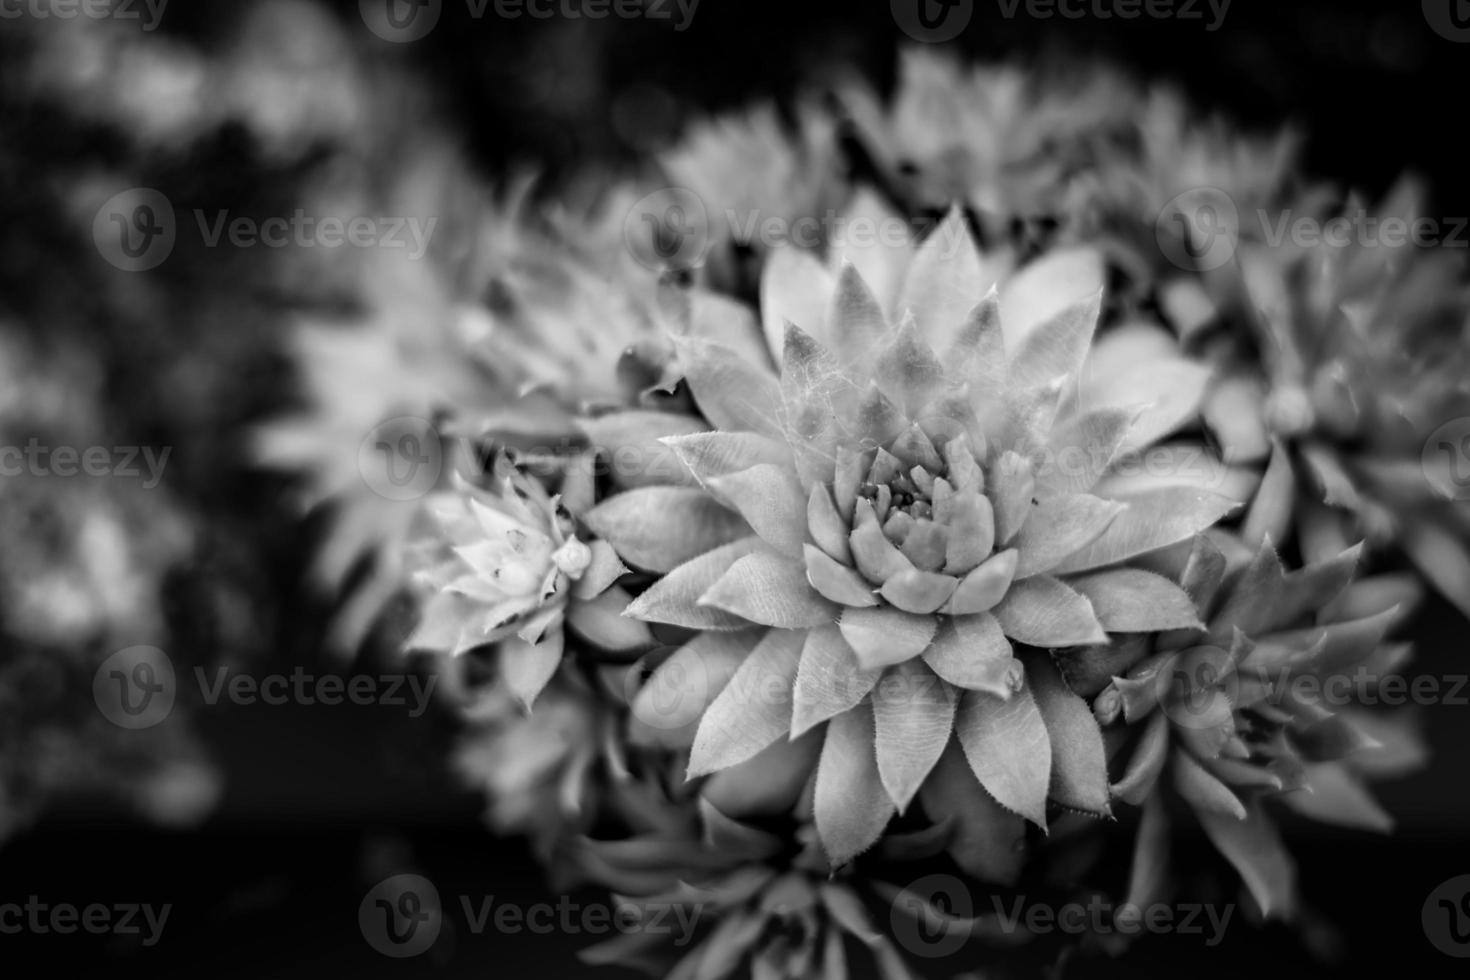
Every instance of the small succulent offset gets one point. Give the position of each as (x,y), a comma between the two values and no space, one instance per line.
(508,569)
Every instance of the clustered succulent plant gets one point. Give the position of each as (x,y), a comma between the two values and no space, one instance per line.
(776,581)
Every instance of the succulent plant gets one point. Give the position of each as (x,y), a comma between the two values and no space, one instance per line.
(1259,706)
(508,569)
(916,532)
(1347,357)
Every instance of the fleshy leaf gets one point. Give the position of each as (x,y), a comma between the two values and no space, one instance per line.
(527,668)
(851,806)
(1079,769)
(753,709)
(1011,486)
(660,528)
(883,636)
(770,589)
(711,454)
(668,706)
(771,501)
(1130,600)
(1253,846)
(836,581)
(674,599)
(1152,521)
(731,392)
(914,714)
(1043,612)
(635,436)
(1056,347)
(984,588)
(795,288)
(1009,751)
(829,679)
(972,652)
(1057,527)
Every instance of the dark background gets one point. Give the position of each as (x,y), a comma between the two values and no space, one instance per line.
(316,799)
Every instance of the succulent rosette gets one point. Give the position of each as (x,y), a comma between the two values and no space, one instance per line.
(752,895)
(507,569)
(1259,706)
(894,515)
(1350,358)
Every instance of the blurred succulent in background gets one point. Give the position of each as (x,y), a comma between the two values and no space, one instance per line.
(1339,361)
(1259,706)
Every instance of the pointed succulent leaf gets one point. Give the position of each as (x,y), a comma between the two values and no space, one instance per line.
(669,704)
(1079,769)
(855,323)
(919,592)
(829,679)
(674,599)
(770,589)
(1011,485)
(851,806)
(771,501)
(660,528)
(602,621)
(712,454)
(836,581)
(914,713)
(795,288)
(945,280)
(527,668)
(731,392)
(1056,347)
(1044,612)
(1146,762)
(984,588)
(1057,527)
(638,434)
(1009,751)
(826,525)
(972,652)
(1256,850)
(971,531)
(1152,521)
(884,636)
(1130,600)
(753,709)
